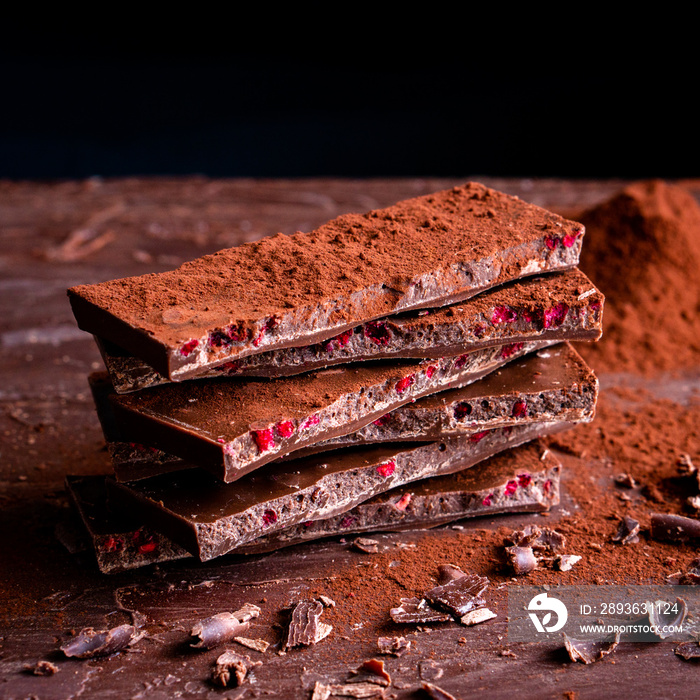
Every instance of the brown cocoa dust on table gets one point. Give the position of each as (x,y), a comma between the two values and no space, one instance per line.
(642,249)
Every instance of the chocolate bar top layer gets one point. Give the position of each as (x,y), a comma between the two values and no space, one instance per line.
(554,306)
(233,426)
(292,290)
(521,480)
(554,383)
(210,519)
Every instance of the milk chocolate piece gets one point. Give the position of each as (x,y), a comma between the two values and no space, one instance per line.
(90,643)
(417,611)
(525,479)
(688,650)
(676,528)
(627,531)
(223,627)
(232,427)
(558,306)
(459,596)
(210,519)
(393,646)
(588,652)
(305,626)
(295,290)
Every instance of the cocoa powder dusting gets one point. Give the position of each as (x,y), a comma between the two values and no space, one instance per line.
(642,249)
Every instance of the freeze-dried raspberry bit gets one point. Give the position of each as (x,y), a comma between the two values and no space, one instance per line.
(337,342)
(285,428)
(478,437)
(403,502)
(507,351)
(269,325)
(511,487)
(487,500)
(378,332)
(430,371)
(504,314)
(113,544)
(347,521)
(479,330)
(547,486)
(382,420)
(404,383)
(148,547)
(264,439)
(386,469)
(462,410)
(570,238)
(189,347)
(219,339)
(461,361)
(269,518)
(519,409)
(310,421)
(551,242)
(524,480)
(229,367)
(554,317)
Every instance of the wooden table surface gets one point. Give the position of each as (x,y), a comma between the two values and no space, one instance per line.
(55,235)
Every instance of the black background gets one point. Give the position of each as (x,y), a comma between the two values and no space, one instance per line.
(142,99)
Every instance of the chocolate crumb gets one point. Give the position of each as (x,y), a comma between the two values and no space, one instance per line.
(625,480)
(417,610)
(327,602)
(688,650)
(587,651)
(627,531)
(41,668)
(257,644)
(372,671)
(521,559)
(476,617)
(394,646)
(565,562)
(365,544)
(323,691)
(91,643)
(232,669)
(430,671)
(305,627)
(436,693)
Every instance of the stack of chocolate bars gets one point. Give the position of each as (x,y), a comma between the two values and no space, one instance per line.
(388,370)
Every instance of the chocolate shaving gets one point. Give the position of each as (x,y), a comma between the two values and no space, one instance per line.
(232,669)
(417,610)
(587,651)
(305,626)
(540,539)
(565,562)
(257,644)
(90,642)
(658,620)
(41,668)
(459,596)
(688,650)
(222,628)
(394,646)
(436,693)
(687,468)
(627,531)
(323,691)
(365,544)
(372,671)
(521,559)
(676,528)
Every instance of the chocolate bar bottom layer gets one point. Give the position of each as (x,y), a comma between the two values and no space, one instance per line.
(521,480)
(210,519)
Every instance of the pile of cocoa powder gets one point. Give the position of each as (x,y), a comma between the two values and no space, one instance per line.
(642,249)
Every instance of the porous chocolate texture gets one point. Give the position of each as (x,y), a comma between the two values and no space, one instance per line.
(558,306)
(210,519)
(521,480)
(285,291)
(231,427)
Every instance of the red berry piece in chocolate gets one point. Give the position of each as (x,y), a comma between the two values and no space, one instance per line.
(189,347)
(551,242)
(511,487)
(430,371)
(382,420)
(478,437)
(570,238)
(339,341)
(547,486)
(462,410)
(524,479)
(504,314)
(264,439)
(404,383)
(509,350)
(386,469)
(554,317)
(378,332)
(347,521)
(461,361)
(487,500)
(219,339)
(285,429)
(403,502)
(113,544)
(310,421)
(519,409)
(269,518)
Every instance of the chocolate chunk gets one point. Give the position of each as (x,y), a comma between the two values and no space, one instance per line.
(417,611)
(676,528)
(232,669)
(434,692)
(365,544)
(688,650)
(428,251)
(464,327)
(521,559)
(539,539)
(448,573)
(588,652)
(393,646)
(691,577)
(460,595)
(627,531)
(41,668)
(476,617)
(90,643)
(257,644)
(372,671)
(210,519)
(223,627)
(565,562)
(305,627)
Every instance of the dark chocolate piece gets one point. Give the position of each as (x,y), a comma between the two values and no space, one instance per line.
(434,692)
(588,652)
(676,528)
(90,643)
(521,559)
(627,531)
(294,290)
(223,627)
(449,572)
(543,540)
(533,546)
(417,611)
(372,671)
(690,577)
(393,646)
(688,650)
(210,519)
(41,668)
(525,479)
(460,595)
(231,669)
(305,626)
(559,306)
(232,427)
(366,545)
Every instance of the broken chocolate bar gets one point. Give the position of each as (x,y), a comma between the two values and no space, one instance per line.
(210,519)
(296,290)
(558,306)
(232,427)
(525,479)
